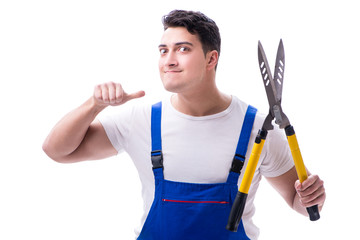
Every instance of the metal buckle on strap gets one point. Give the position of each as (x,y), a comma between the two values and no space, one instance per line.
(157,159)
(237,163)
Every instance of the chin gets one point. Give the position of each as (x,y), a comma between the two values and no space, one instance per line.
(171,88)
(170,85)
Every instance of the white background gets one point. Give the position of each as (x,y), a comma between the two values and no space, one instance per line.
(52,53)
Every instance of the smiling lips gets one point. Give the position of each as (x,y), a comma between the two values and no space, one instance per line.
(172,71)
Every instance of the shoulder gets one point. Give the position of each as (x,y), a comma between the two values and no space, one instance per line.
(126,111)
(120,120)
(238,104)
(241,106)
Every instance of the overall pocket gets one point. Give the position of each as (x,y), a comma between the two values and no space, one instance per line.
(191,211)
(194,201)
(194,218)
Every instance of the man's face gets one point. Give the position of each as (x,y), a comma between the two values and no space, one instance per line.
(182,62)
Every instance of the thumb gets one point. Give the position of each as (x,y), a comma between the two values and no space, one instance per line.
(134,95)
(298,185)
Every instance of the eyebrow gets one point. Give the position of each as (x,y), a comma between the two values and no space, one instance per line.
(177,44)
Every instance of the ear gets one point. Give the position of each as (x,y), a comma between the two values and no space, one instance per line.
(212,59)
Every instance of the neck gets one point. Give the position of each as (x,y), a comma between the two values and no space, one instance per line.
(202,102)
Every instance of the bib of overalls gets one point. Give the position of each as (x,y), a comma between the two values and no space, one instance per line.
(193,211)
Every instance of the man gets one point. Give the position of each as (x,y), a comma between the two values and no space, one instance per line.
(192,138)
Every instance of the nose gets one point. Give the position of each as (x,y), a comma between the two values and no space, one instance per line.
(170,59)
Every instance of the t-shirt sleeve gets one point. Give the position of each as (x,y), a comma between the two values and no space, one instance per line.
(277,155)
(117,127)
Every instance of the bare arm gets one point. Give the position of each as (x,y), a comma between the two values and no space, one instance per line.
(299,195)
(78,136)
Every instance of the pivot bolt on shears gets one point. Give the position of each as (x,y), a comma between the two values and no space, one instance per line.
(273,87)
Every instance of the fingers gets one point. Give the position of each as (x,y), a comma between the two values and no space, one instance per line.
(113,94)
(131,96)
(311,192)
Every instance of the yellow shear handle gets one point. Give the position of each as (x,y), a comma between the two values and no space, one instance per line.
(313,211)
(238,206)
(298,160)
(251,166)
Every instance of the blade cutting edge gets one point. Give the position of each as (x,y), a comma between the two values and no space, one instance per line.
(279,71)
(266,76)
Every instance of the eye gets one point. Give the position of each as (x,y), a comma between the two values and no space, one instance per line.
(162,51)
(184,49)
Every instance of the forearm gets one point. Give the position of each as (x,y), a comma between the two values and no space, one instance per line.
(309,193)
(298,206)
(76,137)
(70,131)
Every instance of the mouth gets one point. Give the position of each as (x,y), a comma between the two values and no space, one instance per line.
(172,71)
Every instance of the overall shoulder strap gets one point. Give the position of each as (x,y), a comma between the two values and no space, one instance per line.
(156,127)
(156,148)
(239,158)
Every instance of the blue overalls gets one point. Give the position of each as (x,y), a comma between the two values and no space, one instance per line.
(193,211)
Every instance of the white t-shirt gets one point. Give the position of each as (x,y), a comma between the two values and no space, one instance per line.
(196,149)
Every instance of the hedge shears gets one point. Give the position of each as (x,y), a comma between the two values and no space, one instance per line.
(273,86)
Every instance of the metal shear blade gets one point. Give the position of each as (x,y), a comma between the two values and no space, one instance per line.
(279,70)
(273,87)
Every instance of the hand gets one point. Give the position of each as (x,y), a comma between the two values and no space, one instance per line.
(112,94)
(311,192)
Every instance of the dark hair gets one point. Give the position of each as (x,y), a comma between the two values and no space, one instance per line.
(196,23)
